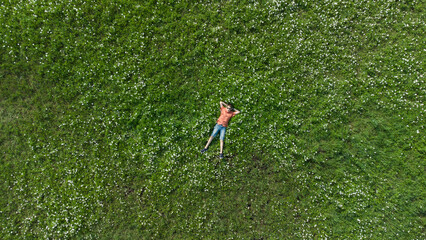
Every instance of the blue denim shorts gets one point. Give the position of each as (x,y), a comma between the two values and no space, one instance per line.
(218,128)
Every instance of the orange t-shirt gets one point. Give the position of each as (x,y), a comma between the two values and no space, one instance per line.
(225,116)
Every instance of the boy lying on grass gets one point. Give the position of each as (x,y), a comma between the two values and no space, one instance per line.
(226,113)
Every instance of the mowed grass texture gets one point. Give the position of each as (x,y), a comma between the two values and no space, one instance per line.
(105,106)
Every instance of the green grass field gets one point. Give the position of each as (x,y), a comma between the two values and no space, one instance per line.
(105,106)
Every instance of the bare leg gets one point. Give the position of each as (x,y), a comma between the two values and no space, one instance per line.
(208,142)
(221,146)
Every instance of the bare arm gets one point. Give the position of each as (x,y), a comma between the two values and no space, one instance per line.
(222,104)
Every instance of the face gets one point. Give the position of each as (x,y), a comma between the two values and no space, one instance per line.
(229,109)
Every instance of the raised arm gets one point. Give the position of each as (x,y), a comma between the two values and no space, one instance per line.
(222,104)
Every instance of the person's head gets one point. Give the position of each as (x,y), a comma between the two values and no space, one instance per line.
(230,108)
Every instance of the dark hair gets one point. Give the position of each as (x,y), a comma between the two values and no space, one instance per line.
(231,108)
